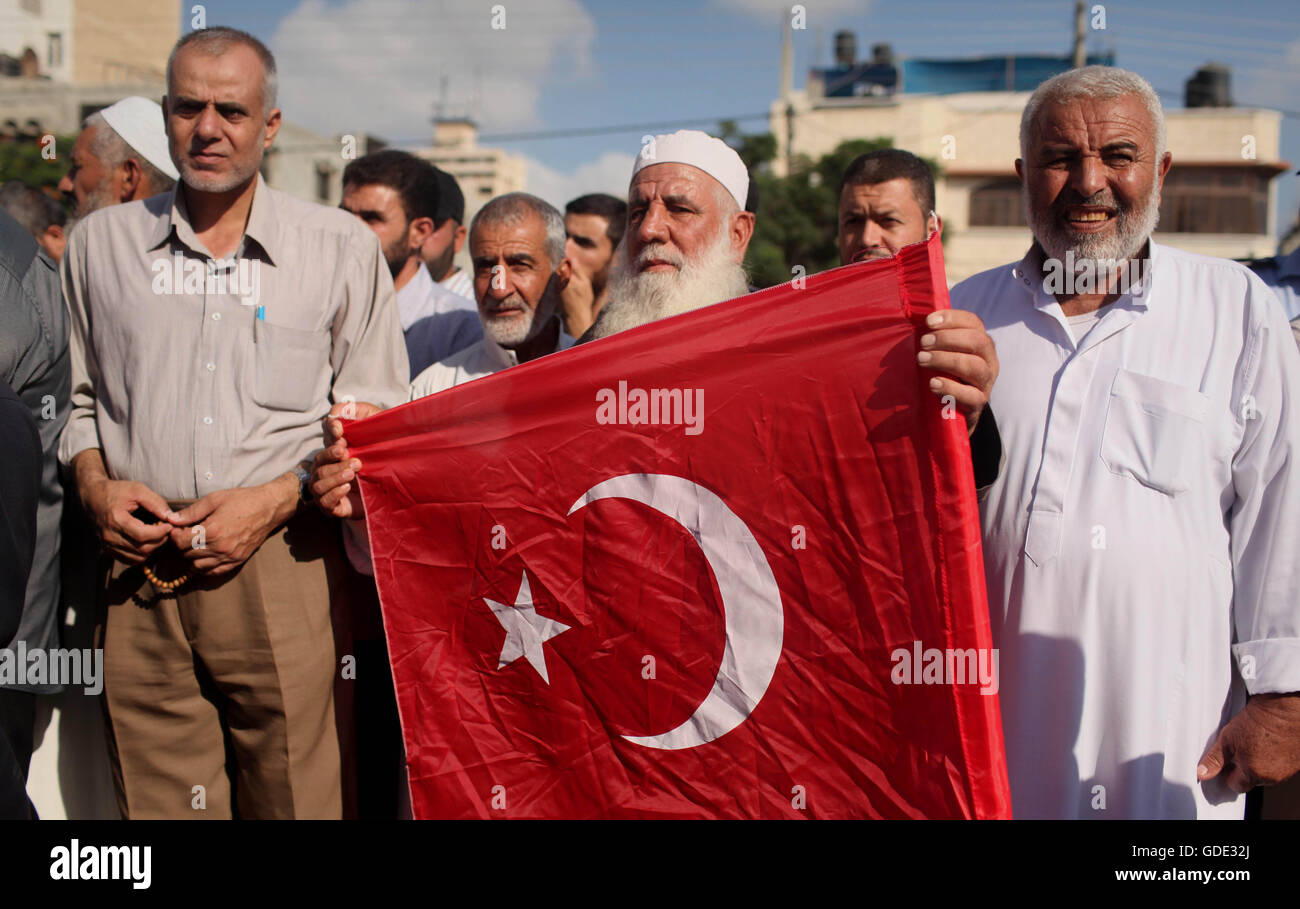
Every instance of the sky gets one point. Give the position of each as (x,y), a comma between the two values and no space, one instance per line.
(385,66)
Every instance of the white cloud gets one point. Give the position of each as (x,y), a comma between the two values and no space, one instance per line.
(378,65)
(610,173)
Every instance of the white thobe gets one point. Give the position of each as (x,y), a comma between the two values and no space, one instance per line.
(475,361)
(1141,543)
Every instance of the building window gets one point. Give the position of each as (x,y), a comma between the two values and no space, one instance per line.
(54,51)
(997,204)
(1214,200)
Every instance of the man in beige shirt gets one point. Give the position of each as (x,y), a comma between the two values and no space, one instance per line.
(212,329)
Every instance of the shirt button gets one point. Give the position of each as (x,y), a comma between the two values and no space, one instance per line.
(207,420)
(208,475)
(216,317)
(212,367)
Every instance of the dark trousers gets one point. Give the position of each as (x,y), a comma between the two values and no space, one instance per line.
(379,733)
(17,730)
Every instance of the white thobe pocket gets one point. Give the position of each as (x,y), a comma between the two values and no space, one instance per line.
(1153,431)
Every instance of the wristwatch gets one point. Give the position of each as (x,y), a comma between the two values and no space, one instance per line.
(304,484)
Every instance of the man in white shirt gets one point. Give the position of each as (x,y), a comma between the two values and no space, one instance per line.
(517,246)
(1140,544)
(520,270)
(397,195)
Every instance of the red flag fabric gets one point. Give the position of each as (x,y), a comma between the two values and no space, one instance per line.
(723,565)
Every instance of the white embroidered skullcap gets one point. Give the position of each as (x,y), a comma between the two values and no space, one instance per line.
(690,146)
(139,122)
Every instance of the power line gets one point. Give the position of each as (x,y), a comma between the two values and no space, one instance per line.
(624,128)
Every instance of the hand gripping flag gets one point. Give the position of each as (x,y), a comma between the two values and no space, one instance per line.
(723,565)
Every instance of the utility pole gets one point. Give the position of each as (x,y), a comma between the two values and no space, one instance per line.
(1080,53)
(787,89)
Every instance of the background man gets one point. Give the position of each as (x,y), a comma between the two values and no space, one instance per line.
(593,226)
(444,244)
(20,484)
(1282,274)
(120,155)
(40,215)
(886,203)
(213,399)
(396,194)
(1139,545)
(34,366)
(517,244)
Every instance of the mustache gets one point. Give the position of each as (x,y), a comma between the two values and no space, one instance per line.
(1101,199)
(661,252)
(871,252)
(514,301)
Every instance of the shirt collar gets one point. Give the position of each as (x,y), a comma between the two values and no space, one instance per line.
(261,226)
(1029,274)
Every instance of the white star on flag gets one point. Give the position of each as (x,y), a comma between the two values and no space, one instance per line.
(526,631)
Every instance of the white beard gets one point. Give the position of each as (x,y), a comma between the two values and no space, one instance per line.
(511,333)
(636,298)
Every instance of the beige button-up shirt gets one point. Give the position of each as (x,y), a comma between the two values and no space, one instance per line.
(194,375)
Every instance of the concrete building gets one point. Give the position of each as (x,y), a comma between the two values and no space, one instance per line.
(310,166)
(61,60)
(1218,198)
(88,41)
(481,172)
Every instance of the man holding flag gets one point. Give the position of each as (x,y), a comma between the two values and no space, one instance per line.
(516,613)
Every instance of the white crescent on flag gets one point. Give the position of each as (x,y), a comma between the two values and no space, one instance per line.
(751,601)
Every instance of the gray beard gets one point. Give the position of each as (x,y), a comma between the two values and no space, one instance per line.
(1105,254)
(637,298)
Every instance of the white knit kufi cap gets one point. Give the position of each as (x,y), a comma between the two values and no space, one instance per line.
(139,122)
(690,146)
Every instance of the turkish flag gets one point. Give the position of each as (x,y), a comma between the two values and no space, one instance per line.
(715,566)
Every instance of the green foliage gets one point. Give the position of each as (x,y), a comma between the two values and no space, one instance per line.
(21,159)
(798,214)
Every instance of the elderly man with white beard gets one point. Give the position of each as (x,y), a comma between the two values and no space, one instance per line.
(1140,544)
(687,232)
(517,250)
(516,246)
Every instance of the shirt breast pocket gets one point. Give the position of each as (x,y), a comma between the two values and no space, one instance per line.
(1153,431)
(290,367)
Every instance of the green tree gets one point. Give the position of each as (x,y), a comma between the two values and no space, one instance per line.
(27,159)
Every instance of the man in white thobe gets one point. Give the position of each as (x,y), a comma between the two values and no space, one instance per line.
(1141,542)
